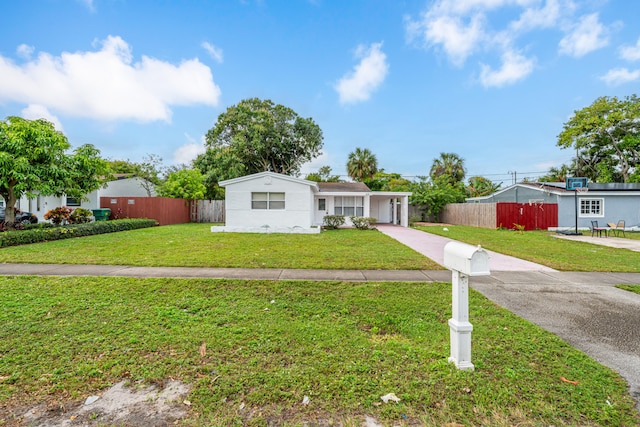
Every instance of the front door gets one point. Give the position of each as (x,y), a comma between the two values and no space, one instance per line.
(320,208)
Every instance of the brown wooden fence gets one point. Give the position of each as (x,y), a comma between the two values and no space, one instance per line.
(481,215)
(207,211)
(533,216)
(164,210)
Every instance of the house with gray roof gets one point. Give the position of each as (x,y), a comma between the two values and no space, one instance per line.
(269,202)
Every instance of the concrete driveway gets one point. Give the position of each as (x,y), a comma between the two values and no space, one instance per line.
(584,309)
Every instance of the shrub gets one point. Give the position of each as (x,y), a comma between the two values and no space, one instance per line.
(44,234)
(80,216)
(363,222)
(331,222)
(414,218)
(58,216)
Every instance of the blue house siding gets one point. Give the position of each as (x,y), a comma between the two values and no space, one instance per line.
(616,202)
(615,207)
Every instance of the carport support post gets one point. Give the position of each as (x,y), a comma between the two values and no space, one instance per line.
(459,325)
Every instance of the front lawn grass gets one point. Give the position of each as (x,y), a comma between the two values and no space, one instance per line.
(631,288)
(194,245)
(542,248)
(269,344)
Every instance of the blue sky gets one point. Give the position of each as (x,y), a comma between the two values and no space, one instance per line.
(490,80)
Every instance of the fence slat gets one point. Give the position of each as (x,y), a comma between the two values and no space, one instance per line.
(482,215)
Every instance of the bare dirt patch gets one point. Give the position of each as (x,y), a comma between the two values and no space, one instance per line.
(119,405)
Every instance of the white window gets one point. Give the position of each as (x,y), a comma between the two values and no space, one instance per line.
(72,201)
(592,207)
(322,204)
(267,201)
(349,205)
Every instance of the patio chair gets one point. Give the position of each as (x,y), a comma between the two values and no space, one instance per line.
(596,229)
(617,228)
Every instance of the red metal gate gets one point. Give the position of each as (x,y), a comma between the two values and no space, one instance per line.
(533,216)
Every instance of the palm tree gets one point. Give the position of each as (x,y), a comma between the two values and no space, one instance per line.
(362,165)
(448,165)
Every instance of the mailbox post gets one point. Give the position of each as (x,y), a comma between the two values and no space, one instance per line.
(463,260)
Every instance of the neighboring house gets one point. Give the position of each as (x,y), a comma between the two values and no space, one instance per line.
(604,203)
(122,186)
(269,202)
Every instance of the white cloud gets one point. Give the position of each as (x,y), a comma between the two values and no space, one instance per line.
(458,39)
(33,112)
(631,53)
(543,17)
(106,84)
(189,151)
(213,51)
(88,4)
(586,36)
(514,67)
(366,77)
(25,51)
(619,76)
(313,165)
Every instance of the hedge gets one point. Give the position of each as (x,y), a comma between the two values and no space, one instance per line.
(45,233)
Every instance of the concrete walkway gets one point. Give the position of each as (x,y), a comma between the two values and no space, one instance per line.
(432,246)
(612,242)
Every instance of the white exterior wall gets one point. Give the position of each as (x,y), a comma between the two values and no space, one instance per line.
(128,187)
(298,211)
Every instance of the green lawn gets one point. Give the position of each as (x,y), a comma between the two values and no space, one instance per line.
(541,247)
(270,343)
(194,245)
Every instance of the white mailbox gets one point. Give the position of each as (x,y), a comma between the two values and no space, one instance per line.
(467,259)
(463,260)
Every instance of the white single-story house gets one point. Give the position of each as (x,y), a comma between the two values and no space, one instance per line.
(122,186)
(269,202)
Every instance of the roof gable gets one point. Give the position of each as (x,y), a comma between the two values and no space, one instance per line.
(267,174)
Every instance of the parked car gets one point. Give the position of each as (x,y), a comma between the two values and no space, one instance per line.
(21,216)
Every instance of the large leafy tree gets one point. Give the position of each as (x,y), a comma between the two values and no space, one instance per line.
(383,181)
(34,159)
(450,166)
(264,136)
(479,186)
(606,137)
(362,165)
(217,165)
(433,195)
(183,184)
(323,175)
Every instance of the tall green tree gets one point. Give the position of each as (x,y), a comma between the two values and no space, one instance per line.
(323,175)
(217,165)
(450,166)
(383,181)
(479,186)
(265,136)
(606,137)
(34,160)
(362,165)
(433,195)
(183,184)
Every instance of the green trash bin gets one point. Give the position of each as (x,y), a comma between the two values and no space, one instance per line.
(102,214)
